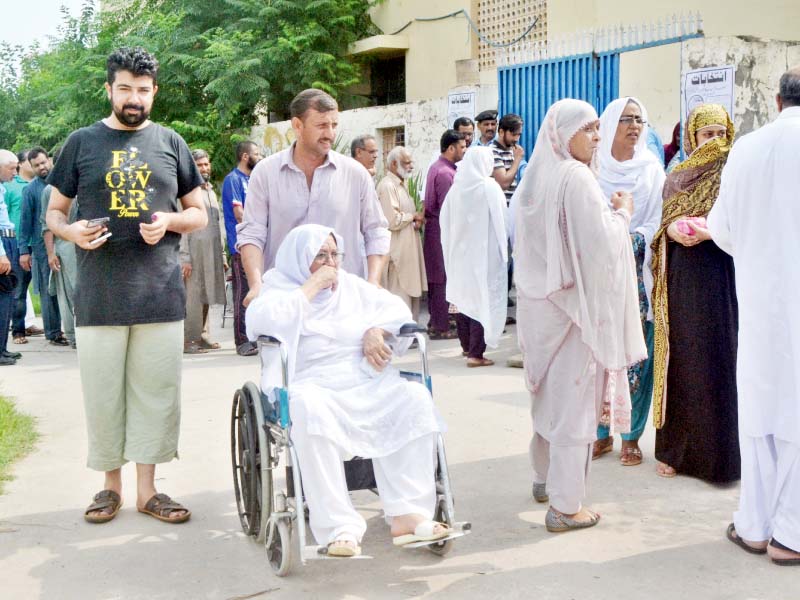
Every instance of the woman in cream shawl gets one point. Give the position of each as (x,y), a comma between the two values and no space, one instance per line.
(345,398)
(626,164)
(578,317)
(476,254)
(696,315)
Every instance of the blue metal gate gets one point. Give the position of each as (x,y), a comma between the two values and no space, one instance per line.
(529,89)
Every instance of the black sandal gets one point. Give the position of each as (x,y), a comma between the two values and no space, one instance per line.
(734,537)
(783,562)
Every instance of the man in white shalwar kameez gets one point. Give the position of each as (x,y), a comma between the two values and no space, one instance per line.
(345,398)
(577,309)
(756,220)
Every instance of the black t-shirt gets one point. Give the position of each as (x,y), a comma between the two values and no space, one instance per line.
(127,176)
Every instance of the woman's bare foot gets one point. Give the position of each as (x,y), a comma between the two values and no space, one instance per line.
(664,470)
(405,524)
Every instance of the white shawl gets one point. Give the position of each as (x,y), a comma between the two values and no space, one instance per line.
(474,244)
(643,176)
(283,311)
(573,251)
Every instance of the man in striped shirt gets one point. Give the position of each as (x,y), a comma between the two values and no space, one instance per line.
(508,154)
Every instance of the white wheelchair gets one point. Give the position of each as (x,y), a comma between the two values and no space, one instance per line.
(261,433)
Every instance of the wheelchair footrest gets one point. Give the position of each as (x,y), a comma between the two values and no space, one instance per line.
(321,553)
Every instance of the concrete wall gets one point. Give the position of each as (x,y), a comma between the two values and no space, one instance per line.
(759,66)
(434,47)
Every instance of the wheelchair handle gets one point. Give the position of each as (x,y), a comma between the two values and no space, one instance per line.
(410,329)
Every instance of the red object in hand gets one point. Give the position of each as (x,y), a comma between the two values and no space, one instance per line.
(154,217)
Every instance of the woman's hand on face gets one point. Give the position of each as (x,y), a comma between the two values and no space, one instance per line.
(622,200)
(375,349)
(682,238)
(325,277)
(322,279)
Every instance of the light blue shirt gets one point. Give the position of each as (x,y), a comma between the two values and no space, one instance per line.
(5,222)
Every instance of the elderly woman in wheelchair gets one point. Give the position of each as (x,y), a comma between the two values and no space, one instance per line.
(346,399)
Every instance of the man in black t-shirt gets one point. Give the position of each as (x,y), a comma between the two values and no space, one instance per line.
(128,175)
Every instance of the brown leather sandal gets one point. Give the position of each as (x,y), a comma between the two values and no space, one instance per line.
(601,447)
(630,456)
(162,506)
(107,499)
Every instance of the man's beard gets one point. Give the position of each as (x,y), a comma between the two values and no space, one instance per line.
(251,162)
(206,177)
(132,120)
(403,173)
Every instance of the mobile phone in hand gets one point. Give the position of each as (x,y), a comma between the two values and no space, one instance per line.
(98,221)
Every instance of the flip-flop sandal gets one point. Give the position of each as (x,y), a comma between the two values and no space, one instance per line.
(783,562)
(162,506)
(20,339)
(344,546)
(483,362)
(210,345)
(101,501)
(630,456)
(666,471)
(734,537)
(424,532)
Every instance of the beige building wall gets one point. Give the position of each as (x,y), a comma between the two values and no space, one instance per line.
(434,47)
(653,75)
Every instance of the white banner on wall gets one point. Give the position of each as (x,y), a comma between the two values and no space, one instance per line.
(710,85)
(460,104)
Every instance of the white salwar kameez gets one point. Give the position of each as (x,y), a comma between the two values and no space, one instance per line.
(577,307)
(756,219)
(340,406)
(474,244)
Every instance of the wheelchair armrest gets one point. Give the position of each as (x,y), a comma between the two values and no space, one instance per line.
(268,340)
(409,329)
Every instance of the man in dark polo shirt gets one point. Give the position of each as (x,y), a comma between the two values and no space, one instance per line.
(128,175)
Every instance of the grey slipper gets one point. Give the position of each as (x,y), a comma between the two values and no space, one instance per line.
(556,522)
(540,492)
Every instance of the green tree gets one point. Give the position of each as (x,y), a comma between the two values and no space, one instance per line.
(224,63)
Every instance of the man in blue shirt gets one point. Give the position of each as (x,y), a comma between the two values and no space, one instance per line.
(8,255)
(32,250)
(234,191)
(487,127)
(21,322)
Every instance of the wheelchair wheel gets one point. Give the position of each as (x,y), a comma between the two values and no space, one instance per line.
(441,515)
(245,459)
(279,548)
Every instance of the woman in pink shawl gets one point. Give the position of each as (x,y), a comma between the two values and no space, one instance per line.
(577,311)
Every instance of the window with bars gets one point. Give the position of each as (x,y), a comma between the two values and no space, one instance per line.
(504,20)
(390,138)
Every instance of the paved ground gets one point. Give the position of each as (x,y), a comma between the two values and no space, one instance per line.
(658,538)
